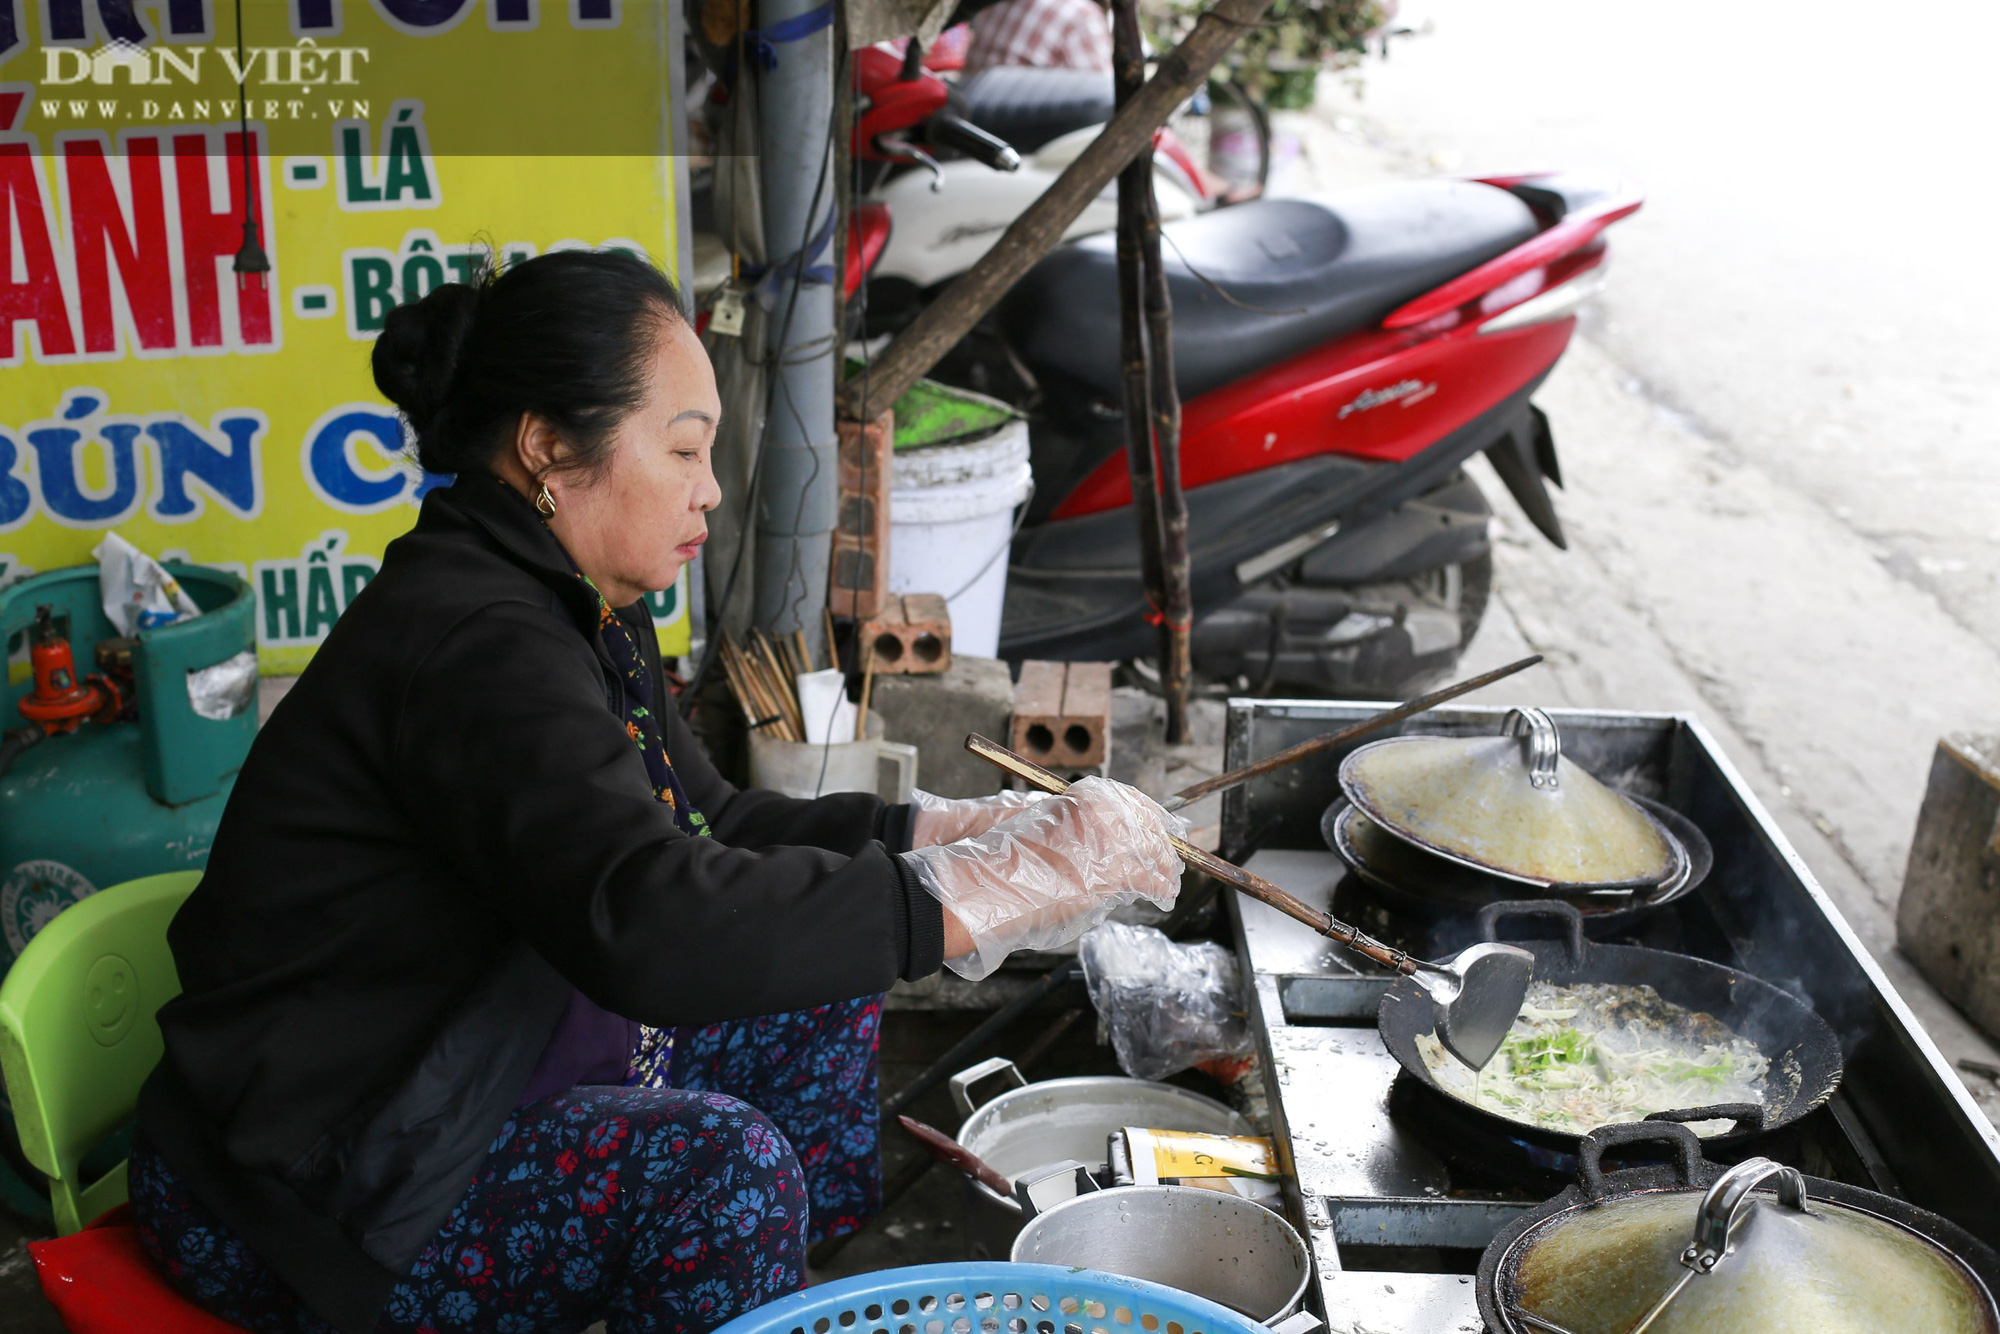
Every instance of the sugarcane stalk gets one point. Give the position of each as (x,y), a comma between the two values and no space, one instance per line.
(1175,606)
(1128,62)
(867,684)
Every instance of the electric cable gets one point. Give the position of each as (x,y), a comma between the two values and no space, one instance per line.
(251,263)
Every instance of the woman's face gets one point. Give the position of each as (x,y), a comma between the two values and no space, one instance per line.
(634,524)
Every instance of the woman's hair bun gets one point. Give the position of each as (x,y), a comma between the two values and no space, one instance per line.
(418,351)
(569,336)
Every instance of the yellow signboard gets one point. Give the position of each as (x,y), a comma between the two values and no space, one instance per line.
(230,418)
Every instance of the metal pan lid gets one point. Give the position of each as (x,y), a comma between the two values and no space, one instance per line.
(1735,1258)
(1511,806)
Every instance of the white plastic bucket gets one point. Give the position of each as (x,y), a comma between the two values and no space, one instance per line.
(951,518)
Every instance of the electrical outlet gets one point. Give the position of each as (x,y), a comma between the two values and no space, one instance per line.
(726,317)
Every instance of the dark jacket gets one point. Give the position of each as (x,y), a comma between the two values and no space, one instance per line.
(440,836)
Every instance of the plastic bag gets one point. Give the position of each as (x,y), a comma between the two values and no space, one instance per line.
(1165,1006)
(226,689)
(137,592)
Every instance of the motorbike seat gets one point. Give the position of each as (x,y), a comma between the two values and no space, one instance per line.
(1030,106)
(1298,272)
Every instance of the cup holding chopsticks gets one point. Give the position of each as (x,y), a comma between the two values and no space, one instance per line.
(810,769)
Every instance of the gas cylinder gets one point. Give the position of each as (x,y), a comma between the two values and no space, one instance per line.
(126,776)
(113,774)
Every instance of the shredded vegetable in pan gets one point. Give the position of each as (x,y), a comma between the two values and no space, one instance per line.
(1596,1053)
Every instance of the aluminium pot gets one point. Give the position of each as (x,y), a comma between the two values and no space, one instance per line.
(1513,807)
(1031,1126)
(1219,1246)
(1686,1247)
(1804,1054)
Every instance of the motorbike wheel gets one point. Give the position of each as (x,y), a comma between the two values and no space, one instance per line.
(1226,104)
(1462,591)
(1475,590)
(1466,588)
(1359,641)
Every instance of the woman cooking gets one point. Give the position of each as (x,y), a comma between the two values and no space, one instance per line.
(502,1010)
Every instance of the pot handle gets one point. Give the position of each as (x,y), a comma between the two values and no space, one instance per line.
(963,1081)
(1727,1198)
(1566,913)
(1542,744)
(1686,1147)
(1747,1115)
(1043,1188)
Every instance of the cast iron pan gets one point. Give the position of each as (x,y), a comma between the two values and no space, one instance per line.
(1499,1264)
(1409,880)
(1804,1055)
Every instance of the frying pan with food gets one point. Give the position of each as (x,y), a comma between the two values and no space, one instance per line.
(1805,1057)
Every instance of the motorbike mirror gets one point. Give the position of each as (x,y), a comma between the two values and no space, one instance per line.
(913,62)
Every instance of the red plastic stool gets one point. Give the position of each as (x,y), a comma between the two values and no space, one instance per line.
(101,1281)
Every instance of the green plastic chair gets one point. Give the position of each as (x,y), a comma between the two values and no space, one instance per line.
(79,1032)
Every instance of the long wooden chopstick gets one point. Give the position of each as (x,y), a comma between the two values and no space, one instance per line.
(757,708)
(1293,754)
(763,690)
(753,709)
(1248,882)
(867,684)
(784,684)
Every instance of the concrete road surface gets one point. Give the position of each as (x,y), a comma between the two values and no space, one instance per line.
(1813,281)
(1781,425)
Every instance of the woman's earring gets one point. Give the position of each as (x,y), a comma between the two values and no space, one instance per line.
(545,504)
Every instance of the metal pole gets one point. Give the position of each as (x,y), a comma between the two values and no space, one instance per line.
(797,497)
(1128,62)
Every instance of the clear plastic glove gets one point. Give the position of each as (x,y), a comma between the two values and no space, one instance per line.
(1047,874)
(936,819)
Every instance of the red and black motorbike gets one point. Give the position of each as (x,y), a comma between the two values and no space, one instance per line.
(1340,358)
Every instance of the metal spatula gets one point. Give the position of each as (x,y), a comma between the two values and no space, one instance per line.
(1474,998)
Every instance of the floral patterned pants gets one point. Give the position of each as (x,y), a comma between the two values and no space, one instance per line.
(652,1210)
(814,1073)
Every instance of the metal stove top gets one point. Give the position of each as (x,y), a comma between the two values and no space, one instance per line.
(1395,1229)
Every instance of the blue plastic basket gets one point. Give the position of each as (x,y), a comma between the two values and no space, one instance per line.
(992,1298)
